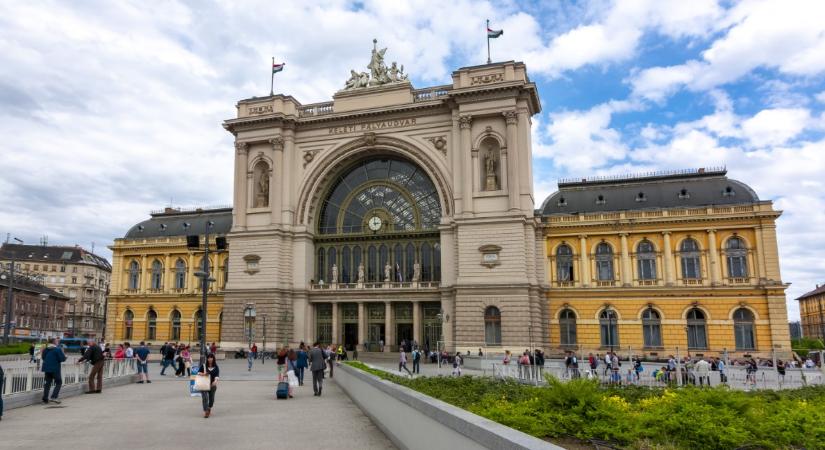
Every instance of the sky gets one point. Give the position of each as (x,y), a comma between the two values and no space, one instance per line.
(109,110)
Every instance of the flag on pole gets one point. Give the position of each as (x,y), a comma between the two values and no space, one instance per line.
(492,34)
(277,67)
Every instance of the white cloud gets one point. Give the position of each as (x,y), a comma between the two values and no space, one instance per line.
(820,97)
(775,126)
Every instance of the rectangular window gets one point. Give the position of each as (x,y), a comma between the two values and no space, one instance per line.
(62,268)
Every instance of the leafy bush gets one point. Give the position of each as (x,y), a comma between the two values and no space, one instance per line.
(638,417)
(14,349)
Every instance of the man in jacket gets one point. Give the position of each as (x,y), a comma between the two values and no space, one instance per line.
(53,357)
(168,356)
(94,356)
(317,365)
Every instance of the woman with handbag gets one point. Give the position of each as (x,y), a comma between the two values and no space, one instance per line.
(207,383)
(292,370)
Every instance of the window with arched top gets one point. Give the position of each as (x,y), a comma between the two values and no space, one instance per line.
(157,275)
(180,274)
(151,325)
(320,272)
(646,260)
(492,326)
(689,253)
(174,333)
(564,263)
(604,262)
(697,330)
(134,275)
(609,327)
(128,323)
(652,328)
(567,328)
(737,256)
(743,329)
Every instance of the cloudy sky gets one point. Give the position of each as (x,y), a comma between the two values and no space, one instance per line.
(111,109)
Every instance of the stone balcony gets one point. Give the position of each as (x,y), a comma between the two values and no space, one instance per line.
(407,285)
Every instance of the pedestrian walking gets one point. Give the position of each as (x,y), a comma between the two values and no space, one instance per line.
(402,361)
(94,356)
(302,358)
(457,361)
(142,354)
(213,349)
(416,360)
(702,369)
(317,365)
(208,397)
(292,370)
(31,353)
(130,352)
(52,357)
(330,355)
(281,362)
(253,355)
(506,362)
(168,357)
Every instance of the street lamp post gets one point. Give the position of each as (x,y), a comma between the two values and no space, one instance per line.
(43,299)
(249,316)
(264,343)
(203,274)
(10,298)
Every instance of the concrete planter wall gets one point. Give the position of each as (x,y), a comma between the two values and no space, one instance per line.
(416,421)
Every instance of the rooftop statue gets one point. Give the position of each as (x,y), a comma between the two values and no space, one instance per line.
(379,73)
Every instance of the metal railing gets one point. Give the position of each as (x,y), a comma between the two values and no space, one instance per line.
(20,380)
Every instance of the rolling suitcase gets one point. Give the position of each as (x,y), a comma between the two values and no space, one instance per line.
(283,390)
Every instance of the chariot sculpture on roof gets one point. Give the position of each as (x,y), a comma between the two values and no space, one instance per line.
(379,74)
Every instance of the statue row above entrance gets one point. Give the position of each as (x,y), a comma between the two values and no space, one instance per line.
(379,73)
(387,272)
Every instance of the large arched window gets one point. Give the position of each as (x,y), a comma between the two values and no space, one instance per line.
(346,265)
(128,323)
(697,330)
(134,275)
(180,274)
(567,328)
(564,263)
(157,275)
(604,262)
(743,329)
(151,325)
(492,326)
(609,326)
(174,332)
(646,258)
(691,267)
(652,328)
(737,255)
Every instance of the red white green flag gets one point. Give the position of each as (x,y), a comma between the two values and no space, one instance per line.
(492,34)
(277,67)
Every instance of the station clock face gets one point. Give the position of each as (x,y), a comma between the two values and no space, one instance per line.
(375,223)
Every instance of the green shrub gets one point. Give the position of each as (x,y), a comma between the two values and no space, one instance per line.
(14,349)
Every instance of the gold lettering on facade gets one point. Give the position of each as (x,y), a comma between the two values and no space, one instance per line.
(372,126)
(263,109)
(486,79)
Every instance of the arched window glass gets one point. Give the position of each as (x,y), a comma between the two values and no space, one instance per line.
(409,256)
(174,333)
(436,276)
(383,259)
(604,262)
(609,326)
(492,326)
(157,275)
(398,264)
(426,262)
(372,264)
(652,328)
(332,258)
(180,274)
(567,328)
(356,262)
(737,256)
(697,330)
(134,275)
(691,267)
(319,271)
(743,329)
(128,323)
(151,325)
(346,267)
(564,263)
(198,324)
(646,257)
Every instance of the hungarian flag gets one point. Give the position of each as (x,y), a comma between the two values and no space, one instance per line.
(277,67)
(492,34)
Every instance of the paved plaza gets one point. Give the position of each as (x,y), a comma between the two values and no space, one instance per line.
(162,415)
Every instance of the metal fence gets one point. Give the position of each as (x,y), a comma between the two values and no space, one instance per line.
(27,379)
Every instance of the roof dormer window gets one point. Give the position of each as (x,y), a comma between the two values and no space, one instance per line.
(641,197)
(684,194)
(728,192)
(562,202)
(600,200)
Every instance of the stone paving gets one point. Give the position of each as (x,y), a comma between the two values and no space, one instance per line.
(162,415)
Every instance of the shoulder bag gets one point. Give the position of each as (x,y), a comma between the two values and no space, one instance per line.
(202,381)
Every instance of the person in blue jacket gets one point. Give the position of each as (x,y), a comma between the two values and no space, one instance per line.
(52,358)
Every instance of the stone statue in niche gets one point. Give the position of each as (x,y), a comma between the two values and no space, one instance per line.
(334,274)
(360,273)
(490,163)
(261,186)
(387,270)
(416,272)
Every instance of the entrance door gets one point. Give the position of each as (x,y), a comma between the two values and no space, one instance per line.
(404,332)
(376,336)
(350,336)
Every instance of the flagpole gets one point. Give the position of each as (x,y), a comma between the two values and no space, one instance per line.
(489,61)
(272,78)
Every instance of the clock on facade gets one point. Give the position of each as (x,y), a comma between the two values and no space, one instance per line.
(375,223)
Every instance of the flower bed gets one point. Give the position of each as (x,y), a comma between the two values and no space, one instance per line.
(637,417)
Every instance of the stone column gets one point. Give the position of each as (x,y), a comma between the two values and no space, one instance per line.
(465,122)
(512,158)
(584,259)
(476,171)
(335,338)
(239,213)
(144,275)
(627,272)
(760,255)
(526,168)
(417,322)
(389,333)
(168,273)
(668,259)
(276,179)
(362,325)
(287,207)
(713,253)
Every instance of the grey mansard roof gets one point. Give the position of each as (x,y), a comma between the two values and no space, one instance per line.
(686,188)
(170,222)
